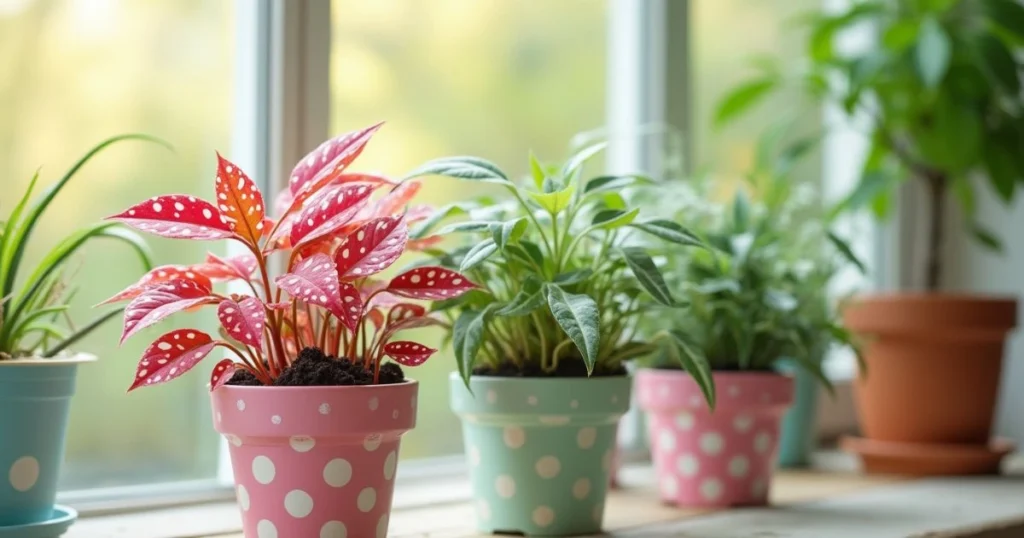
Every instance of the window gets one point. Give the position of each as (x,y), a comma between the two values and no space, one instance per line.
(77,72)
(495,79)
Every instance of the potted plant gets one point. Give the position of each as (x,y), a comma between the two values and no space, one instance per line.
(756,309)
(312,413)
(939,86)
(37,365)
(540,348)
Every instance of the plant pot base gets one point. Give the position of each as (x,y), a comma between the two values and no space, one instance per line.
(52,527)
(917,459)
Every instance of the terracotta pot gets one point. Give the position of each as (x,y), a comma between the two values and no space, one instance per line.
(714,458)
(933,365)
(315,461)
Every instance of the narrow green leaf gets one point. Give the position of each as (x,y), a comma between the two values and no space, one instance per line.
(647,274)
(554,202)
(537,171)
(614,200)
(467,337)
(507,233)
(478,254)
(530,298)
(844,249)
(1002,169)
(870,186)
(82,333)
(1008,14)
(609,219)
(742,98)
(780,300)
(467,226)
(669,231)
(696,364)
(741,212)
(998,62)
(572,277)
(528,252)
(986,237)
(462,167)
(7,243)
(612,182)
(933,52)
(813,367)
(450,210)
(581,157)
(578,316)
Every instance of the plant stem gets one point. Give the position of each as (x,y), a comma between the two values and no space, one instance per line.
(937,190)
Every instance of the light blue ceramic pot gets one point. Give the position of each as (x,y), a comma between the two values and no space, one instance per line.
(540,450)
(35,396)
(798,436)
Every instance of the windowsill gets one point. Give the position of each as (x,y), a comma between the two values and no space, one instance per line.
(809,499)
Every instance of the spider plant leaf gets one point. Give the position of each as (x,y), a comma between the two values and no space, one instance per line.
(82,333)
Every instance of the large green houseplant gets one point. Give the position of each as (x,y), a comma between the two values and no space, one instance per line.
(938,84)
(541,348)
(37,368)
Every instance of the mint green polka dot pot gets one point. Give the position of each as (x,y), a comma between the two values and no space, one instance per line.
(540,450)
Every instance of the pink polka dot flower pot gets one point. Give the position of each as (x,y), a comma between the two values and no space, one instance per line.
(714,458)
(315,462)
(540,450)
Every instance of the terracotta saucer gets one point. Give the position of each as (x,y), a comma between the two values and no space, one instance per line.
(888,457)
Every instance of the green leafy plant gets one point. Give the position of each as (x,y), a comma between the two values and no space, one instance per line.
(760,295)
(938,81)
(31,309)
(566,278)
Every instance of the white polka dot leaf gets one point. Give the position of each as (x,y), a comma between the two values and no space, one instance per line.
(315,281)
(373,247)
(161,301)
(327,161)
(161,274)
(328,211)
(430,283)
(222,373)
(178,216)
(408,353)
(171,355)
(240,201)
(244,320)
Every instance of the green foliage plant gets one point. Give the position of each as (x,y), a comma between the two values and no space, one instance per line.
(939,83)
(32,308)
(760,295)
(565,278)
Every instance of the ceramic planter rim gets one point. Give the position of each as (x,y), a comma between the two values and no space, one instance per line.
(540,379)
(318,388)
(77,358)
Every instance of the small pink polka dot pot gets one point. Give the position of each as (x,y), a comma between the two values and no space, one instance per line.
(714,458)
(315,462)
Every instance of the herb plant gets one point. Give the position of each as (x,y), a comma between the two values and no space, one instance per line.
(30,313)
(333,238)
(565,279)
(760,294)
(938,82)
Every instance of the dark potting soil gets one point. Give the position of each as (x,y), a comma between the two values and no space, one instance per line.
(314,368)
(566,368)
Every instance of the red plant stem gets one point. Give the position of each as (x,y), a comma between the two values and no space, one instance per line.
(295,326)
(275,323)
(260,375)
(325,325)
(244,356)
(310,338)
(339,335)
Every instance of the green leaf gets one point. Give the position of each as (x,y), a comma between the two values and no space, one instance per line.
(669,231)
(467,226)
(537,171)
(742,98)
(932,53)
(554,202)
(844,248)
(901,35)
(696,364)
(82,332)
(581,157)
(572,277)
(741,212)
(528,252)
(871,185)
(462,167)
(507,233)
(813,367)
(609,219)
(1002,169)
(578,316)
(478,254)
(647,274)
(467,337)
(986,237)
(458,208)
(780,300)
(964,193)
(998,63)
(614,200)
(612,182)
(530,298)
(1008,14)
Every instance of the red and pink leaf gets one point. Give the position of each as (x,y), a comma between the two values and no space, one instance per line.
(419,245)
(236,267)
(158,275)
(371,248)
(351,306)
(172,355)
(408,353)
(288,204)
(430,283)
(244,320)
(405,311)
(330,157)
(394,202)
(161,301)
(328,211)
(315,281)
(410,323)
(419,212)
(376,317)
(222,373)
(240,200)
(177,216)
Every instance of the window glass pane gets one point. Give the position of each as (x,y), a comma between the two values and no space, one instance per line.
(727,38)
(495,79)
(75,73)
